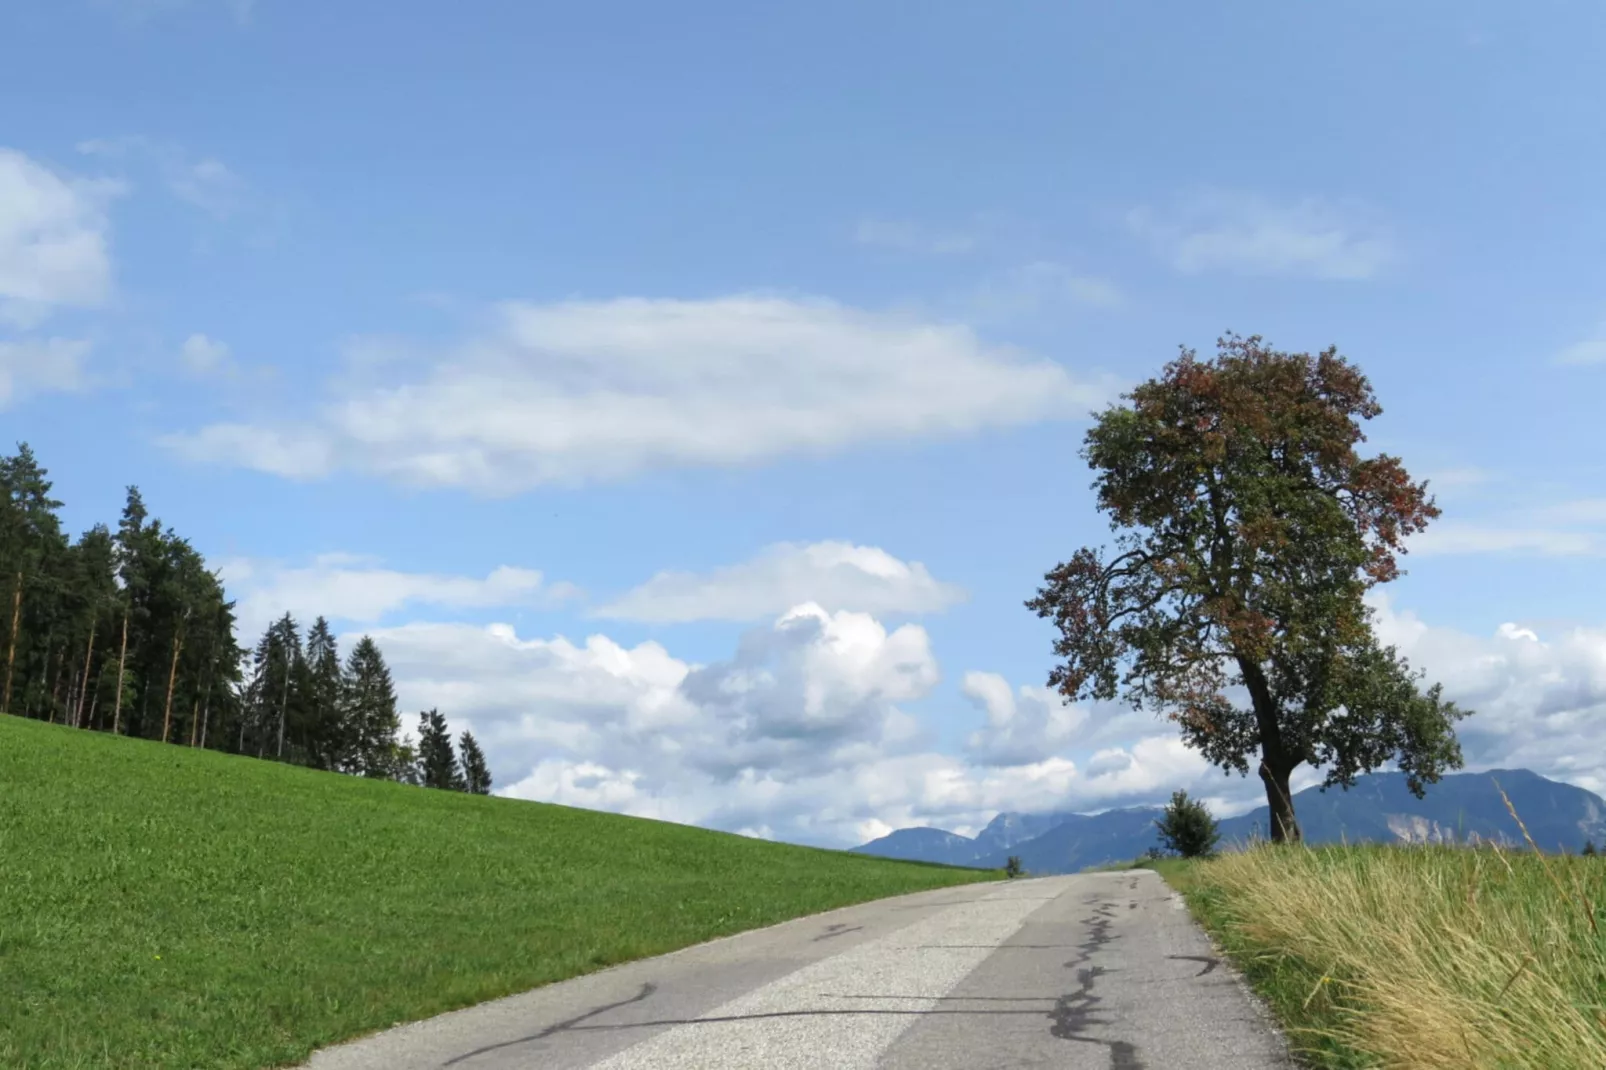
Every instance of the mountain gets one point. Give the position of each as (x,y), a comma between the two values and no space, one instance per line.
(1080,840)
(924,845)
(1379,808)
(1008,829)
(1461,806)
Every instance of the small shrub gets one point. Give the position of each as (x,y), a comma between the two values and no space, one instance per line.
(1589,847)
(1012,867)
(1187,827)
(1154,854)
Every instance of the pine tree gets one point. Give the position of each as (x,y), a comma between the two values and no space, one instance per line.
(476,774)
(437,760)
(325,735)
(370,712)
(290,658)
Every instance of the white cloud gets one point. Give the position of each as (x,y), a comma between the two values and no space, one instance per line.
(347,588)
(1250,235)
(1475,539)
(1465,476)
(803,733)
(1568,529)
(203,355)
(836,575)
(1540,702)
(32,366)
(587,391)
(1590,350)
(202,182)
(53,240)
(1021,726)
(1580,511)
(1042,285)
(209,185)
(915,237)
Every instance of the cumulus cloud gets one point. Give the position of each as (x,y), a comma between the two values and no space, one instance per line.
(806,732)
(1022,726)
(350,588)
(31,366)
(836,575)
(1539,703)
(53,240)
(1251,235)
(587,391)
(810,731)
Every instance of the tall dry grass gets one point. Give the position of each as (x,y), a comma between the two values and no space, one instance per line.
(1423,957)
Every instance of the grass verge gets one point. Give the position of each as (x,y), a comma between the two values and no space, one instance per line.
(1422,957)
(165,907)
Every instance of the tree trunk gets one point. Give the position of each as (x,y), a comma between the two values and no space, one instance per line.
(206,698)
(195,720)
(83,689)
(1284,825)
(284,702)
(55,688)
(122,661)
(44,675)
(206,707)
(11,648)
(172,676)
(94,702)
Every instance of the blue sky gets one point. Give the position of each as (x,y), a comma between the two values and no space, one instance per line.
(801,312)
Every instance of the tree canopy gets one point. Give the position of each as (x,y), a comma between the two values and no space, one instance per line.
(1248,531)
(128,631)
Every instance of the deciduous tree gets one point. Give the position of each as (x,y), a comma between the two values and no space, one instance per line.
(1249,530)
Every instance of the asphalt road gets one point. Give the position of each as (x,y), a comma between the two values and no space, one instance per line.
(1095,971)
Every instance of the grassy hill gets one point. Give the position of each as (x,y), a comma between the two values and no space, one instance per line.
(167,907)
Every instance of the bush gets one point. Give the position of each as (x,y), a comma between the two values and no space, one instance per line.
(1187,827)
(1012,867)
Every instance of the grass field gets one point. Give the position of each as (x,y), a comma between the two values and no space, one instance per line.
(163,907)
(1416,957)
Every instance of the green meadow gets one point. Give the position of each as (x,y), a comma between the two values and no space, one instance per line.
(168,907)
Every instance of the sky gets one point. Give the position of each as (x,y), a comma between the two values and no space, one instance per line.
(688,397)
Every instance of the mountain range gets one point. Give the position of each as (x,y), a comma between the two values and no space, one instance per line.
(1379,808)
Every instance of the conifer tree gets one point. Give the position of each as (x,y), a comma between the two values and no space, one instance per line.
(326,744)
(476,774)
(370,712)
(437,760)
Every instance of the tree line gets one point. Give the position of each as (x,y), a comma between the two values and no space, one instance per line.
(127,631)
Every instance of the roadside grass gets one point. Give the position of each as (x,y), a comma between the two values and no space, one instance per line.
(162,907)
(1422,957)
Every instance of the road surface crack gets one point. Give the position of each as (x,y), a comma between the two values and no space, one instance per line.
(1073,1012)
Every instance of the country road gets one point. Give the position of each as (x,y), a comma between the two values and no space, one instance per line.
(1100,971)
